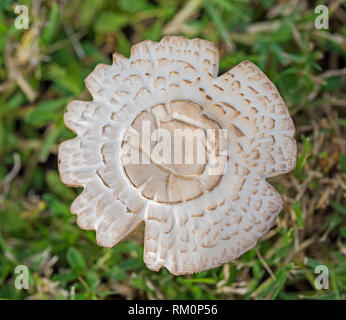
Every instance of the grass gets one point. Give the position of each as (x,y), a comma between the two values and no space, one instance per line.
(42,69)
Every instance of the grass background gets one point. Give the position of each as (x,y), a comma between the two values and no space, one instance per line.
(42,69)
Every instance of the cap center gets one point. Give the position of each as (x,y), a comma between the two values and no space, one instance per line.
(169,149)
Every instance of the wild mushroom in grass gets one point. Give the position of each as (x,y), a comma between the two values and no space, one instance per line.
(195,218)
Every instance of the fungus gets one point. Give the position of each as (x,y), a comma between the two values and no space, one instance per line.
(203,203)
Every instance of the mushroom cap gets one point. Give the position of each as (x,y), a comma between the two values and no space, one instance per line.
(200,214)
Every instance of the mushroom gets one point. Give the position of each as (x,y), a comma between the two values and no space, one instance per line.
(198,214)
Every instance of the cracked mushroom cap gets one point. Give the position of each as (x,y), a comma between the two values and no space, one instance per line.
(196,217)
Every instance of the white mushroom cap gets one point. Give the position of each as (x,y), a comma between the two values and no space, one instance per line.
(194,220)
